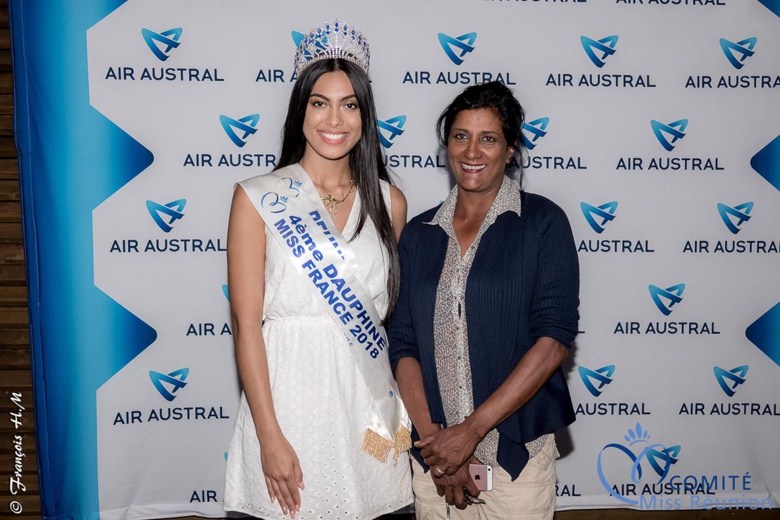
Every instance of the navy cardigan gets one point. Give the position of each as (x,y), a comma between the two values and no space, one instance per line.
(523,284)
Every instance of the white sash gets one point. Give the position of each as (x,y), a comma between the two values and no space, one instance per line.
(288,202)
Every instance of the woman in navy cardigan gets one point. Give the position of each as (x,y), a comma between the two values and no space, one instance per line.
(487,313)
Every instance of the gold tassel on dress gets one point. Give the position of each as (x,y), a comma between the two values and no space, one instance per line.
(379,447)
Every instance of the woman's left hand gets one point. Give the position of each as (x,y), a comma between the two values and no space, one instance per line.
(448,449)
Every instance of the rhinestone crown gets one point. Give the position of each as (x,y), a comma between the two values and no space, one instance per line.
(332,40)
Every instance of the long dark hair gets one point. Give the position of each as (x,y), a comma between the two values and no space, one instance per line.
(497,97)
(365,159)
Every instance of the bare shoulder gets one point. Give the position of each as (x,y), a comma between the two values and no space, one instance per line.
(398,199)
(243,215)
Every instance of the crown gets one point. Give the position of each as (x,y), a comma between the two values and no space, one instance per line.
(332,40)
(637,435)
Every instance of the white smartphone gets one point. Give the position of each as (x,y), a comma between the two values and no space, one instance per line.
(482,474)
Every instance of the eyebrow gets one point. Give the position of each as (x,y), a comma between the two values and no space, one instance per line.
(456,129)
(314,94)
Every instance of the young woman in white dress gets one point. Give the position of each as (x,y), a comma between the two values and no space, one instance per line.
(300,434)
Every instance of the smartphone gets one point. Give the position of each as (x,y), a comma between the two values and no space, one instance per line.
(482,474)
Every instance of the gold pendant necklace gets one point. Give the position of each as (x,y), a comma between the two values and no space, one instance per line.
(332,203)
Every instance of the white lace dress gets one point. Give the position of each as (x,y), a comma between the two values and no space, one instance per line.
(319,397)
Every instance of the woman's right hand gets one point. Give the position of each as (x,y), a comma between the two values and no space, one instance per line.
(283,474)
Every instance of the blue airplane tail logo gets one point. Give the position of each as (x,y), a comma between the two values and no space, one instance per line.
(245,126)
(533,131)
(165,215)
(743,48)
(605,47)
(736,216)
(461,45)
(729,380)
(156,41)
(661,460)
(605,213)
(601,377)
(675,130)
(390,129)
(169,384)
(672,295)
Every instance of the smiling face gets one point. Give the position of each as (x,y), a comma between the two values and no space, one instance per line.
(478,151)
(332,124)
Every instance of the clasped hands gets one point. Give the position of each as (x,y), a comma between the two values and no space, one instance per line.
(448,453)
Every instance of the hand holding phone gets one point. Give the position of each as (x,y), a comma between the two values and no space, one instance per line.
(482,475)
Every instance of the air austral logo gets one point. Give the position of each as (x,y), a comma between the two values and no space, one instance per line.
(457,48)
(738,53)
(389,129)
(239,131)
(161,44)
(169,384)
(665,132)
(534,130)
(595,380)
(729,380)
(734,217)
(245,126)
(599,216)
(669,136)
(164,215)
(667,298)
(599,50)
(617,462)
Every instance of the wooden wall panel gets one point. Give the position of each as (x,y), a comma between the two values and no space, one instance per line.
(14,336)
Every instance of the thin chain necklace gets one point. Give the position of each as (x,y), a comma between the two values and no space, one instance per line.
(332,203)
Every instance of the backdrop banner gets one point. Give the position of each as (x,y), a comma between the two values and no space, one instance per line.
(654,124)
